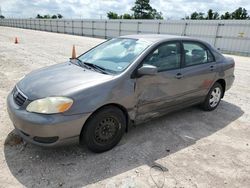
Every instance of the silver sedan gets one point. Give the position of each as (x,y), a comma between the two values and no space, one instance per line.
(127,80)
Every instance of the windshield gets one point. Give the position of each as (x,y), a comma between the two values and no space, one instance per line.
(116,54)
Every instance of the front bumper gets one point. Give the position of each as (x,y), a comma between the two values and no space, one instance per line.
(45,130)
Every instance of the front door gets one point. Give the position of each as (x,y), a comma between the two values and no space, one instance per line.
(157,92)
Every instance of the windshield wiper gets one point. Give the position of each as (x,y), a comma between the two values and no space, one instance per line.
(95,67)
(91,66)
(79,62)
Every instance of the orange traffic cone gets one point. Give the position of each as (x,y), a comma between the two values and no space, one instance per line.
(73,52)
(16,40)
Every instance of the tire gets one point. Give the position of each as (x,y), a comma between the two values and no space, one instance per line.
(213,97)
(104,129)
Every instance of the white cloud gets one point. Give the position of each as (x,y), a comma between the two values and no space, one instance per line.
(173,9)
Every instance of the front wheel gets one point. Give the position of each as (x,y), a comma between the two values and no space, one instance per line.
(213,97)
(104,129)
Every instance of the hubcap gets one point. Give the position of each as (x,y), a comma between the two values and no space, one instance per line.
(106,130)
(215,97)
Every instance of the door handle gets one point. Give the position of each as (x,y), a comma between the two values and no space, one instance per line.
(178,76)
(212,67)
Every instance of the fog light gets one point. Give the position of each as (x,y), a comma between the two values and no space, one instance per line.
(45,140)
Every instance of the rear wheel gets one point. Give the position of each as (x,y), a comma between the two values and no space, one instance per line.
(104,129)
(213,97)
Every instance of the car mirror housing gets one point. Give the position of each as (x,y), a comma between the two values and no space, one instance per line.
(147,70)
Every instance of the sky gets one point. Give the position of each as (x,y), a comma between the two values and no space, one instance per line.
(96,9)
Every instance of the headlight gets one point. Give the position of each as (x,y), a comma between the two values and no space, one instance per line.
(50,105)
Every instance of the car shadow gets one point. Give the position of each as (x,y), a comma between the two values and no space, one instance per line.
(75,166)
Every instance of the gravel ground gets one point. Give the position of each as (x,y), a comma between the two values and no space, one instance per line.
(189,148)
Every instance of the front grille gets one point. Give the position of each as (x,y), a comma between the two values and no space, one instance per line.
(19,98)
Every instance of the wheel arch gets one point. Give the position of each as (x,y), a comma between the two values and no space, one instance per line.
(222,82)
(122,108)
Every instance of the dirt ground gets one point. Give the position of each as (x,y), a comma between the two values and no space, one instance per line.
(189,148)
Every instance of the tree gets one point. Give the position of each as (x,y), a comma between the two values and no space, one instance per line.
(226,16)
(156,15)
(127,16)
(210,14)
(200,16)
(47,16)
(194,16)
(54,17)
(112,15)
(197,16)
(59,16)
(143,10)
(38,16)
(2,17)
(240,14)
(216,16)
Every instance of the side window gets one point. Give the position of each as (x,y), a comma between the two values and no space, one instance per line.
(165,57)
(196,54)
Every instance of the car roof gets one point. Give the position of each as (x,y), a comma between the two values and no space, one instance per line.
(157,37)
(153,37)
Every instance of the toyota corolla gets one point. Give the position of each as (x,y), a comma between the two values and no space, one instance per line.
(127,80)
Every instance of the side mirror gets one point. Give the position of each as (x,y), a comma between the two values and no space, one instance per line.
(147,70)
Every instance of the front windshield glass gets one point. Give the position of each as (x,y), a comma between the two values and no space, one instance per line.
(115,55)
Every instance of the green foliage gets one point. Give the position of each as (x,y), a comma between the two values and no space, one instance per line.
(38,16)
(226,16)
(2,17)
(59,16)
(54,17)
(47,16)
(127,16)
(141,10)
(156,15)
(112,15)
(210,14)
(197,16)
(216,16)
(238,14)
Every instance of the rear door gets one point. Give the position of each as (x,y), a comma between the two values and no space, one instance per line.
(198,70)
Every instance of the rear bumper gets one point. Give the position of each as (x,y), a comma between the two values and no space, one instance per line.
(229,81)
(45,130)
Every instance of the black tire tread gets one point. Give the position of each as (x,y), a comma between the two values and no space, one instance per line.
(89,127)
(205,105)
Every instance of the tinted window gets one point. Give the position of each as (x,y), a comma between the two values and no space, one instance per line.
(196,54)
(165,57)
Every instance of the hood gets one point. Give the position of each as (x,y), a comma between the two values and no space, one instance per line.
(59,80)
